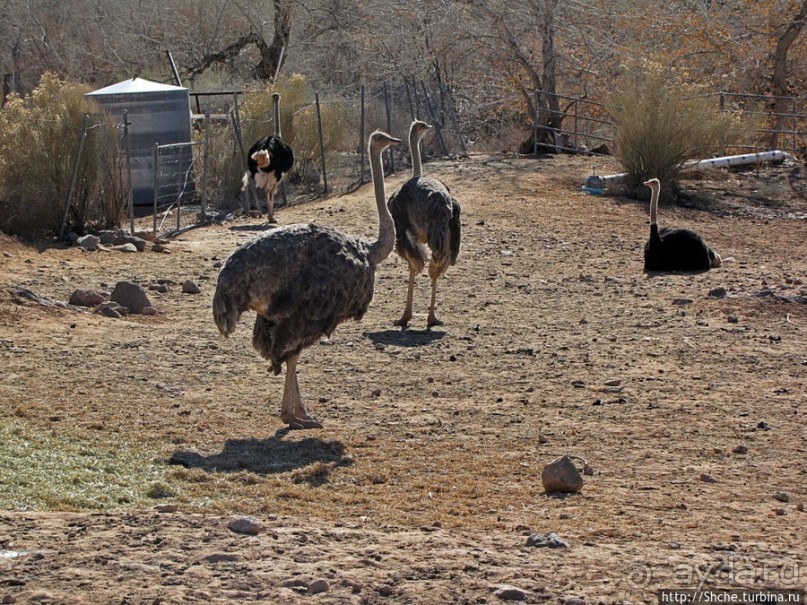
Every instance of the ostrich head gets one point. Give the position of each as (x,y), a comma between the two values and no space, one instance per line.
(261,157)
(419,129)
(379,141)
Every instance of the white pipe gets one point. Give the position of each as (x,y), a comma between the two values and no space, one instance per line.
(728,160)
(739,160)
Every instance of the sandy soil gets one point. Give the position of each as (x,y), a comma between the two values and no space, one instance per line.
(683,393)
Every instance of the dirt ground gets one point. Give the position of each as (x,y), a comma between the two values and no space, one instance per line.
(683,394)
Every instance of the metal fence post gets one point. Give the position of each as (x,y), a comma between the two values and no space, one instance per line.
(85,122)
(205,164)
(389,127)
(126,124)
(155,184)
(321,145)
(361,139)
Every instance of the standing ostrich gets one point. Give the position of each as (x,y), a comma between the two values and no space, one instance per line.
(425,214)
(674,249)
(268,160)
(302,281)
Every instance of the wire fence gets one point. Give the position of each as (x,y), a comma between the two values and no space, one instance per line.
(200,180)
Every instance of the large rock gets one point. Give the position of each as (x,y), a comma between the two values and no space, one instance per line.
(561,475)
(138,242)
(131,296)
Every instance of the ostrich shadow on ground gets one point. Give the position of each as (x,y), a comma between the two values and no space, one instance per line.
(271,456)
(404,338)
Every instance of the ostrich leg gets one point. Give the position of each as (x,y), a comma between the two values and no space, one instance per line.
(407,314)
(270,204)
(293,411)
(434,273)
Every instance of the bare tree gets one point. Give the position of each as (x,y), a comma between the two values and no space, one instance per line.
(780,84)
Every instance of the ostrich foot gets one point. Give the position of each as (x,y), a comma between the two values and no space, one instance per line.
(403,322)
(301,422)
(433,321)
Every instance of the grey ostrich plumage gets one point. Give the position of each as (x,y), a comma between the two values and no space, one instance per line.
(427,218)
(325,278)
(302,281)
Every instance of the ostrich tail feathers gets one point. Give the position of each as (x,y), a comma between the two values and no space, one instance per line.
(225,312)
(455,229)
(245,181)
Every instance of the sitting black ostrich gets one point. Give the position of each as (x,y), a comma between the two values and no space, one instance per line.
(268,160)
(674,249)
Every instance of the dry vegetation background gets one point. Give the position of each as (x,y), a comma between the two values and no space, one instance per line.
(424,483)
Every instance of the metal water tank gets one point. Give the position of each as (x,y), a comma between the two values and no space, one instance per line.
(158,114)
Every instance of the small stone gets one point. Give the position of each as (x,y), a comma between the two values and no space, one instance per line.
(149,311)
(779,511)
(542,438)
(190,287)
(88,242)
(506,592)
(385,590)
(782,496)
(740,449)
(131,296)
(87,298)
(110,311)
(680,302)
(245,525)
(707,478)
(573,601)
(550,540)
(127,248)
(166,508)
(763,426)
(615,382)
(318,586)
(561,475)
(733,319)
(718,292)
(160,249)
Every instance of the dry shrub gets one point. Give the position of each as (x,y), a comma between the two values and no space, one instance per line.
(39,137)
(661,124)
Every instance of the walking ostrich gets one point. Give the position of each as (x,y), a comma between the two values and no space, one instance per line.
(268,160)
(303,280)
(674,249)
(425,214)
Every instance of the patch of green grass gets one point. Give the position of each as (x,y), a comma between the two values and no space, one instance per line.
(41,470)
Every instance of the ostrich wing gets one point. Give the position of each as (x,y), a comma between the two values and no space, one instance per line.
(302,280)
(422,210)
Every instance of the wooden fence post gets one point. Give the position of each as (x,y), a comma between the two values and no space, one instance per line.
(73,179)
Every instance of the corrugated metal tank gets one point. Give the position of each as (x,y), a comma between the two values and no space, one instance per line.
(158,113)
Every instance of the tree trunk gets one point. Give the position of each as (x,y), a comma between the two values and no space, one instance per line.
(549,100)
(780,71)
(272,54)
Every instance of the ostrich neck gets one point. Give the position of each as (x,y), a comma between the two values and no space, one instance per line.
(382,247)
(414,151)
(654,206)
(277,118)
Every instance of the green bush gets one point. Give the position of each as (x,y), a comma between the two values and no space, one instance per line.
(39,137)
(662,124)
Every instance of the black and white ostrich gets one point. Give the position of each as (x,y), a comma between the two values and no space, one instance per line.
(425,214)
(303,280)
(674,249)
(268,160)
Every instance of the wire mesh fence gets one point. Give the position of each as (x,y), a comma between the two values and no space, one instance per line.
(200,180)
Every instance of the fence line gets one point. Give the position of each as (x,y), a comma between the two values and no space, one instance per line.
(585,127)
